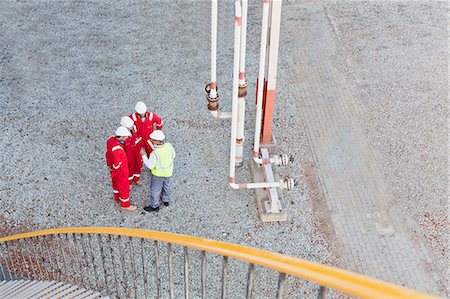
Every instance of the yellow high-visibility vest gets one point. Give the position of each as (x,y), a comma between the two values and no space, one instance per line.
(164,166)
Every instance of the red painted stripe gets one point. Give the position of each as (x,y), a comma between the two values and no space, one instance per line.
(266,1)
(232,180)
(241,75)
(238,20)
(213,85)
(255,154)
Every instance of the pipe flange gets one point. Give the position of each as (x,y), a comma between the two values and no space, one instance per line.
(288,183)
(242,91)
(213,103)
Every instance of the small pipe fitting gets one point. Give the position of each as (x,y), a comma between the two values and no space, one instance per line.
(242,91)
(213,102)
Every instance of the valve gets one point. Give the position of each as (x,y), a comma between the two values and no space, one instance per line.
(289,183)
(213,103)
(242,91)
(283,159)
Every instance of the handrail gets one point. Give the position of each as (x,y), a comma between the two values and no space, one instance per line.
(348,282)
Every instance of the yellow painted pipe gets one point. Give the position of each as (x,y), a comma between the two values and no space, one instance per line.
(345,281)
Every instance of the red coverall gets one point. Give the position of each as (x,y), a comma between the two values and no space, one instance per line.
(145,128)
(116,160)
(132,148)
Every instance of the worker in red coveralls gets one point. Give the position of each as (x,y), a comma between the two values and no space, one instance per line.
(116,160)
(132,149)
(145,123)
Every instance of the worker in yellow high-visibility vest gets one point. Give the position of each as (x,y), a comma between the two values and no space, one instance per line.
(160,163)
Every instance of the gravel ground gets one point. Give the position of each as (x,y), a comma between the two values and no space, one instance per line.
(70,70)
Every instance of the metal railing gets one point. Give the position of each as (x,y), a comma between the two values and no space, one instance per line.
(129,263)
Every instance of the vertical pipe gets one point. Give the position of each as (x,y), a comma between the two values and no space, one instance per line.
(234,110)
(260,91)
(272,63)
(281,285)
(169,260)
(203,273)
(158,278)
(116,282)
(251,271)
(214,9)
(224,277)
(242,92)
(186,273)
(133,266)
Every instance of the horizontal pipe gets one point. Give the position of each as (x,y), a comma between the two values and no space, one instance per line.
(223,115)
(261,185)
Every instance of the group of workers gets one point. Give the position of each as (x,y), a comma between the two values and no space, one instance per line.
(138,141)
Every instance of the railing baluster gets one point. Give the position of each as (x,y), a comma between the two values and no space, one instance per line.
(38,261)
(103,256)
(69,258)
(116,282)
(186,273)
(169,260)
(4,266)
(67,272)
(58,267)
(13,268)
(86,262)
(144,269)
(281,285)
(158,278)
(251,271)
(83,262)
(224,277)
(17,266)
(52,266)
(47,274)
(78,258)
(94,264)
(321,294)
(27,247)
(24,262)
(133,267)
(203,273)
(124,270)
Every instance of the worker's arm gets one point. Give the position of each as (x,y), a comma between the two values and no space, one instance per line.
(149,162)
(158,121)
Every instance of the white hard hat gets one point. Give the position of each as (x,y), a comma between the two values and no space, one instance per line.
(126,122)
(157,135)
(140,108)
(122,131)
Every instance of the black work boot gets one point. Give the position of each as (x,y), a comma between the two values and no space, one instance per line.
(150,209)
(166,203)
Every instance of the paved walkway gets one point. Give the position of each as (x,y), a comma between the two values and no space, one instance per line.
(364,213)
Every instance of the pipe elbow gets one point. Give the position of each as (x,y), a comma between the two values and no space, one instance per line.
(234,186)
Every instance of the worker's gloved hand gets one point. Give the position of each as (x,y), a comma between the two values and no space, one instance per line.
(142,151)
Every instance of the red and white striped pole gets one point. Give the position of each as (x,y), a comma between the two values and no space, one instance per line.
(272,64)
